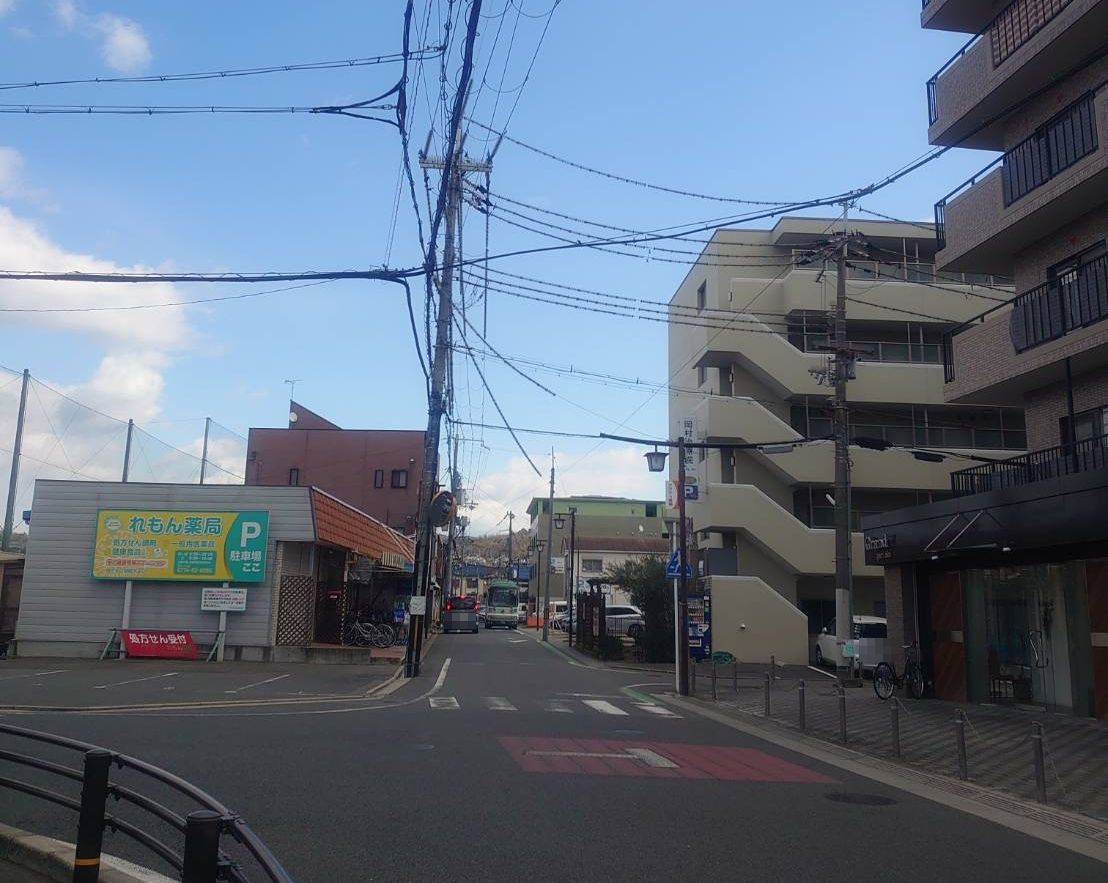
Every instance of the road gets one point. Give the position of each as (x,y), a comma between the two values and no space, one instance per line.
(520,765)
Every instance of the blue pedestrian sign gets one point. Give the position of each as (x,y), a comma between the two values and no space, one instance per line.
(673,569)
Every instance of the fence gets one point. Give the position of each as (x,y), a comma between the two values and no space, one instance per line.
(1083,456)
(591,622)
(68,439)
(206,856)
(1039,756)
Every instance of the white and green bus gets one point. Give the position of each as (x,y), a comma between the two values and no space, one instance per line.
(502,604)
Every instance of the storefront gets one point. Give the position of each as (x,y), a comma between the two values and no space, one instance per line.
(1005,592)
(110,555)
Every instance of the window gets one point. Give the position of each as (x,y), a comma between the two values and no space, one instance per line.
(651,510)
(592,565)
(378,477)
(294,477)
(702,296)
(1086,424)
(400,478)
(460,603)
(471,582)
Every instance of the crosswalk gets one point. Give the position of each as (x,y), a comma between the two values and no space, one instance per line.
(612,706)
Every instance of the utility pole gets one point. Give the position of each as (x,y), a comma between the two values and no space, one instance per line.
(549,554)
(127,450)
(843,368)
(454,482)
(683,579)
(17,448)
(571,571)
(204,453)
(511,518)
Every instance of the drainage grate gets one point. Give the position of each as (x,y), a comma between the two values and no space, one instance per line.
(860,799)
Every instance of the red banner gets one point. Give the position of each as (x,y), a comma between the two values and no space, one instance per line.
(151,642)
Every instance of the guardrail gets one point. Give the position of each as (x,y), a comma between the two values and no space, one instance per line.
(202,859)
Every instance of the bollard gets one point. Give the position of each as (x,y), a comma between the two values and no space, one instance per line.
(1037,754)
(894,711)
(767,695)
(714,696)
(842,713)
(201,859)
(90,824)
(800,706)
(735,676)
(960,737)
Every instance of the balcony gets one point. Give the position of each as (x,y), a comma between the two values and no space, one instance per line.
(964,16)
(1042,184)
(1076,300)
(1014,56)
(1086,455)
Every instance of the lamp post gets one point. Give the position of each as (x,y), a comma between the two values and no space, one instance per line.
(537,546)
(569,572)
(656,462)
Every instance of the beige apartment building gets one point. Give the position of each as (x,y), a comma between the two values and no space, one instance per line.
(1005,586)
(747,356)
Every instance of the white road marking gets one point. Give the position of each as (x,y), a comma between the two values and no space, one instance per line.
(442,676)
(591,695)
(171,674)
(499,703)
(35,674)
(257,684)
(560,706)
(660,710)
(441,702)
(604,707)
(579,754)
(651,758)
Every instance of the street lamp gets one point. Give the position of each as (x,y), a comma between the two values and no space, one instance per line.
(537,546)
(656,460)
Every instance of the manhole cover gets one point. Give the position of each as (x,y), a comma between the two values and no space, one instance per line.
(860,799)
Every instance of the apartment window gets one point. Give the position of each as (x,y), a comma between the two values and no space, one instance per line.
(592,565)
(1086,424)
(294,477)
(702,296)
(651,510)
(378,477)
(400,478)
(1075,295)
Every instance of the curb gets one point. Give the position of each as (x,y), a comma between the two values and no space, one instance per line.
(1070,831)
(54,859)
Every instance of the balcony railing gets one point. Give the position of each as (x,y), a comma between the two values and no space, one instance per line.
(940,206)
(1084,456)
(1074,300)
(1010,29)
(1056,146)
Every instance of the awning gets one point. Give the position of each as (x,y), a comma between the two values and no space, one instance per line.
(340,524)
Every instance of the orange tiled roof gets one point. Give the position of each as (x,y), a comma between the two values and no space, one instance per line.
(340,524)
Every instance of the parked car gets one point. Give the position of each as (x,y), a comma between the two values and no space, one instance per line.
(523,613)
(460,615)
(620,618)
(869,642)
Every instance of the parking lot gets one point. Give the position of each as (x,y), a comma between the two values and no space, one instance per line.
(77,683)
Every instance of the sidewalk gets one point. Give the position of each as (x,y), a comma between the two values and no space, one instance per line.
(999,751)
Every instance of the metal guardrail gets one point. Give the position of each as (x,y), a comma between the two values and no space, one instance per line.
(1083,456)
(202,860)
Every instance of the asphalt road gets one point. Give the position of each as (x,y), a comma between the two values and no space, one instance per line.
(523,766)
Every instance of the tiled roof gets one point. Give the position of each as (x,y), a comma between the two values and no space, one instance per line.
(643,545)
(340,524)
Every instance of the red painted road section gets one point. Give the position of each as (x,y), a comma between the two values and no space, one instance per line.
(607,757)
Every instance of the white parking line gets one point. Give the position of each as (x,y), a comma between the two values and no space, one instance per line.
(604,707)
(499,703)
(441,702)
(659,710)
(171,674)
(257,684)
(36,674)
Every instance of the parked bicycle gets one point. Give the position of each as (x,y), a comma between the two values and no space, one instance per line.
(886,680)
(368,634)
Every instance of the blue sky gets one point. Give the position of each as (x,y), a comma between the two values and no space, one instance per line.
(762,101)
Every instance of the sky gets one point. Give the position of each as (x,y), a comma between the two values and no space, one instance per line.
(759,101)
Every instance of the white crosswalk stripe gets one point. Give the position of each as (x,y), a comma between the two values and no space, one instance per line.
(659,710)
(604,706)
(499,703)
(442,702)
(559,706)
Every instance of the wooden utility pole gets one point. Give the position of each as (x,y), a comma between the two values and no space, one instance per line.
(17,449)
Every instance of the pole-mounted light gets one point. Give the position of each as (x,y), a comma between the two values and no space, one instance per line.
(656,460)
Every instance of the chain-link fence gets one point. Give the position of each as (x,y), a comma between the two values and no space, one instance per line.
(65,439)
(995,746)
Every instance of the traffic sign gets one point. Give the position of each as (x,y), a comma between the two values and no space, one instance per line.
(673,569)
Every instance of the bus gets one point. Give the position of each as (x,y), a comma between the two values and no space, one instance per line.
(502,604)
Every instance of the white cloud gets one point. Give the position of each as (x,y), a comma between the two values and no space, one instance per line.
(24,247)
(11,164)
(124,45)
(123,42)
(6,6)
(612,471)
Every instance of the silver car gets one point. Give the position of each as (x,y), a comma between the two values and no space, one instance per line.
(460,615)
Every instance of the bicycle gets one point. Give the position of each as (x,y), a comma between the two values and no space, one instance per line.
(366,634)
(886,680)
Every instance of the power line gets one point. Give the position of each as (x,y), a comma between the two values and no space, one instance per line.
(232,73)
(183,109)
(78,276)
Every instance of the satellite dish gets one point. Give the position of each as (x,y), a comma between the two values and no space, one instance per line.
(293,416)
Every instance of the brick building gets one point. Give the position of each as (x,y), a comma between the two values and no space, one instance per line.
(375,470)
(1005,586)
